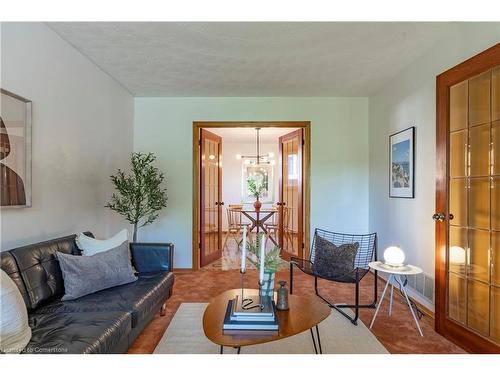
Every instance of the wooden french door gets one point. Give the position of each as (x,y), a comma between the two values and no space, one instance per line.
(468,203)
(210,197)
(291,220)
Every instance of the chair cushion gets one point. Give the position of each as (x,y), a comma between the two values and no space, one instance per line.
(138,298)
(88,274)
(73,333)
(331,260)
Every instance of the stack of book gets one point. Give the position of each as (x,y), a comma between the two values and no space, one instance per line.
(239,317)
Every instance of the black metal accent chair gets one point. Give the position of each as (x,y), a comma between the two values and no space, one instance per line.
(367,252)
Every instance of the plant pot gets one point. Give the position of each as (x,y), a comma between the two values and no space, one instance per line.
(257,205)
(268,287)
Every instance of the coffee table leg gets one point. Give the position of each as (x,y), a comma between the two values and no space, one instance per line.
(221,349)
(319,340)
(314,341)
(239,350)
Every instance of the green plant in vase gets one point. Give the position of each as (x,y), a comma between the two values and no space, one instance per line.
(256,189)
(272,262)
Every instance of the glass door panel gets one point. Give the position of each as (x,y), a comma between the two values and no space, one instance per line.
(495,147)
(495,314)
(210,234)
(458,106)
(479,249)
(479,99)
(495,94)
(457,253)
(291,190)
(478,306)
(473,255)
(495,258)
(458,201)
(457,297)
(458,154)
(479,150)
(479,203)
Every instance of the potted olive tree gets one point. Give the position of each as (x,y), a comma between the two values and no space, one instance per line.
(139,197)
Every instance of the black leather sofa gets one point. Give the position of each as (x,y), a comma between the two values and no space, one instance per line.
(104,322)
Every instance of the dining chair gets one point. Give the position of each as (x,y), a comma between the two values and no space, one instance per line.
(288,224)
(272,226)
(235,224)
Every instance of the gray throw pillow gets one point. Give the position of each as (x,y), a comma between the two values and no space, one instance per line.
(334,261)
(88,274)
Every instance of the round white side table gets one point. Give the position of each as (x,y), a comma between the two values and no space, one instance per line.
(395,274)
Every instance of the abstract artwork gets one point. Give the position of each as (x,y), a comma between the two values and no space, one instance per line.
(15,150)
(402,160)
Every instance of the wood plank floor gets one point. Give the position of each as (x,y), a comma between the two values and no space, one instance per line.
(397,333)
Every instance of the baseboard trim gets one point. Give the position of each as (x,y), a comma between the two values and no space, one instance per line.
(182,270)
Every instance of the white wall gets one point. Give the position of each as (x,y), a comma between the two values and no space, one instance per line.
(409,100)
(339,170)
(232,172)
(82,132)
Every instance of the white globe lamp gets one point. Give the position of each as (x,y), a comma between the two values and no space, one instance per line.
(394,256)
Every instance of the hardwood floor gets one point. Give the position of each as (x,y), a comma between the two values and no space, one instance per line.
(397,333)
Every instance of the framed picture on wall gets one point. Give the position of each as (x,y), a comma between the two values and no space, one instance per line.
(15,150)
(263,175)
(402,164)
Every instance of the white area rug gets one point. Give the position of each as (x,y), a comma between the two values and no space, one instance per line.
(185,335)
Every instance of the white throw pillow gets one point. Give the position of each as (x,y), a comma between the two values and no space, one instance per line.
(90,246)
(15,332)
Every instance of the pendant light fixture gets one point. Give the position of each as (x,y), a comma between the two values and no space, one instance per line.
(258,158)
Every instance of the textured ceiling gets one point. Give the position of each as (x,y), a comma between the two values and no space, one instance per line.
(251,59)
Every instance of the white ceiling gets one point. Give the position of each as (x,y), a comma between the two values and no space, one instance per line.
(252,59)
(239,135)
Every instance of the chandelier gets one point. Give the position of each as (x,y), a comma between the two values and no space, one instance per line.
(258,158)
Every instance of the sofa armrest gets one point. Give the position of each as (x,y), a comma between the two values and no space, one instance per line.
(152,257)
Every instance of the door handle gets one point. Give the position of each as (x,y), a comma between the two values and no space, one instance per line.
(440,216)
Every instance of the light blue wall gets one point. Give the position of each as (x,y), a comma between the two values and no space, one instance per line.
(339,160)
(409,100)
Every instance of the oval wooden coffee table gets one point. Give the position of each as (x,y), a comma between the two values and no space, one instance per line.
(305,313)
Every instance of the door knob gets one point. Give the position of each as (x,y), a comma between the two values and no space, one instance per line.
(221,203)
(440,216)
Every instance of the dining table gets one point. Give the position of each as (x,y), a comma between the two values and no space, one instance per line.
(258,219)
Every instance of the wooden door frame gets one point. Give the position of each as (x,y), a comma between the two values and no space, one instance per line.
(467,69)
(214,138)
(198,125)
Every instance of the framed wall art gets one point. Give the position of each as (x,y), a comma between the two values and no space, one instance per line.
(402,164)
(15,150)
(263,175)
